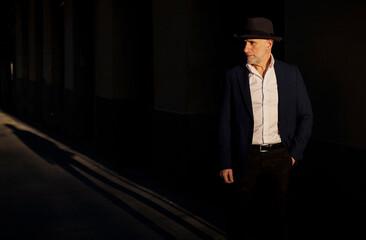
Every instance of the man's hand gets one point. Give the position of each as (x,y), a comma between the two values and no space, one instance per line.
(293,161)
(227,175)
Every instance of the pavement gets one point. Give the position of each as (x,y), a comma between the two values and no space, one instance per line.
(49,190)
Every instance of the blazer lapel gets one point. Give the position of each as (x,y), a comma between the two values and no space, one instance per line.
(281,85)
(243,80)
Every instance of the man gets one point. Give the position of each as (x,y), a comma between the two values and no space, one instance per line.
(264,125)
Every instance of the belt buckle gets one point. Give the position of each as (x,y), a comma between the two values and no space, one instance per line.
(263,150)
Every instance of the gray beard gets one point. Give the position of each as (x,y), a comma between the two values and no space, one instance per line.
(251,61)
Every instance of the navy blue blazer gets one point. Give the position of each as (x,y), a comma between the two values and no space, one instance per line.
(236,115)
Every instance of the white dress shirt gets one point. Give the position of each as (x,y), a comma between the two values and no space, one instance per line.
(264,95)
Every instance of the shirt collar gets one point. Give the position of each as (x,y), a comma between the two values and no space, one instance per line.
(272,62)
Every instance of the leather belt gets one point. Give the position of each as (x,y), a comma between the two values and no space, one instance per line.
(267,147)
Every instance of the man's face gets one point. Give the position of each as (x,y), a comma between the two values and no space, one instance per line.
(257,50)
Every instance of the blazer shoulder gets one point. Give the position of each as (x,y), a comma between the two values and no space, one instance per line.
(232,73)
(235,69)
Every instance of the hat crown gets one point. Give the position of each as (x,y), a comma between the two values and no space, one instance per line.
(258,28)
(259,25)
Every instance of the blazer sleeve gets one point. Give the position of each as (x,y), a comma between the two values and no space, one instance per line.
(224,127)
(304,119)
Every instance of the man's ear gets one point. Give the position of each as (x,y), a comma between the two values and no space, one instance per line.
(269,43)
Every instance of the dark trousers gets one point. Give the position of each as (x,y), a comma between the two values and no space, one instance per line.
(257,206)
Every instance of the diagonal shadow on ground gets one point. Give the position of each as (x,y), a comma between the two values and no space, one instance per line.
(50,152)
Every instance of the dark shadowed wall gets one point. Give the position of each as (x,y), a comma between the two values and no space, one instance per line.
(326,39)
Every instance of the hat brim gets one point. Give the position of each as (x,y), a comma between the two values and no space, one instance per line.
(258,36)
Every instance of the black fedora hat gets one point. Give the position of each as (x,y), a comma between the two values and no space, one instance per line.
(258,28)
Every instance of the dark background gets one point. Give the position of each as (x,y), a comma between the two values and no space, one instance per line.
(138,83)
